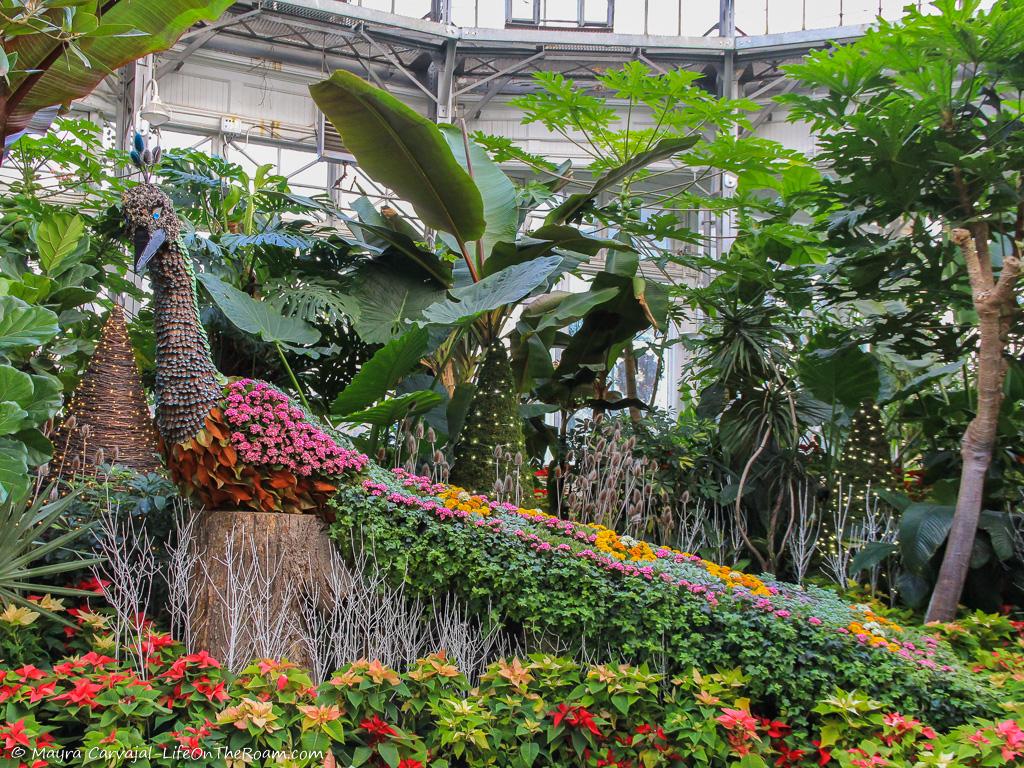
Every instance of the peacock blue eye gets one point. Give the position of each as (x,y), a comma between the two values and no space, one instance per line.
(156,214)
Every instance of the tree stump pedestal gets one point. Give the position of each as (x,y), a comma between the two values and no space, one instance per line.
(253,572)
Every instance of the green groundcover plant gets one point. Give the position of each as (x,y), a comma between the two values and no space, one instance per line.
(160,706)
(611,597)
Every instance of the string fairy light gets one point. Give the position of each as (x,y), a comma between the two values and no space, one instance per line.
(492,422)
(107,418)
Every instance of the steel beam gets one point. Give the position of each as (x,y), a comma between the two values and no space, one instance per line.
(762,117)
(493,91)
(197,39)
(502,72)
(390,56)
(445,80)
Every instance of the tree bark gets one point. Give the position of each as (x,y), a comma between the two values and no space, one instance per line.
(629,363)
(253,569)
(994,301)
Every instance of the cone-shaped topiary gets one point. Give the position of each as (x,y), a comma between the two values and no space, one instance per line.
(493,423)
(108,419)
(866,460)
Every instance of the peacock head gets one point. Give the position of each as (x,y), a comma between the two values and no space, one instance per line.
(150,221)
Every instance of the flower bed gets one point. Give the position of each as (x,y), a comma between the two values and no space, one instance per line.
(262,452)
(624,599)
(169,707)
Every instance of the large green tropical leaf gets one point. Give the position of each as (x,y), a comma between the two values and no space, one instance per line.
(382,371)
(46,397)
(57,237)
(15,386)
(404,246)
(394,221)
(546,240)
(569,307)
(22,325)
(107,35)
(575,204)
(925,526)
(40,449)
(14,481)
(846,377)
(872,554)
(391,411)
(404,151)
(257,317)
(491,292)
(636,306)
(501,214)
(310,299)
(12,416)
(389,301)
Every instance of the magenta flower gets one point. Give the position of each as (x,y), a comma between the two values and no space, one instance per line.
(267,430)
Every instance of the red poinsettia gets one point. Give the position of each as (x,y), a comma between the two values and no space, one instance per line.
(83,693)
(575,716)
(377,729)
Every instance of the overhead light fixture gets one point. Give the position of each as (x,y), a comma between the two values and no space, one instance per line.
(154,111)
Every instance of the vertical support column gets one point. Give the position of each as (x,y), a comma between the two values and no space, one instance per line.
(441,11)
(445,74)
(726,227)
(135,78)
(335,173)
(727,29)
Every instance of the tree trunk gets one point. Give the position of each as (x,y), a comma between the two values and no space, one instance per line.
(993,302)
(253,570)
(629,363)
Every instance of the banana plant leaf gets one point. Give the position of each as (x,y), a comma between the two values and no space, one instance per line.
(924,527)
(382,371)
(96,38)
(501,214)
(391,411)
(403,245)
(498,290)
(403,151)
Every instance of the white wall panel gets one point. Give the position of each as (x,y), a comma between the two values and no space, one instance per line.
(203,91)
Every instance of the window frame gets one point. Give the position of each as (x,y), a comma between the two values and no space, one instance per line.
(581,17)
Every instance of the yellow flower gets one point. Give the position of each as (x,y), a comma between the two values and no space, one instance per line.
(92,620)
(17,615)
(101,643)
(49,603)
(347,679)
(379,673)
(259,714)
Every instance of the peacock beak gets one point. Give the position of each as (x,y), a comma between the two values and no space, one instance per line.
(146,245)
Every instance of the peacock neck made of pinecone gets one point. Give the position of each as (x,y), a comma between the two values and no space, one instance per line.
(187,383)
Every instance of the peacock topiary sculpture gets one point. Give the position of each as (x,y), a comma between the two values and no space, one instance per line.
(240,444)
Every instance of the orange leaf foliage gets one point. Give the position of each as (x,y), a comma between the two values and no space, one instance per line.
(209,468)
